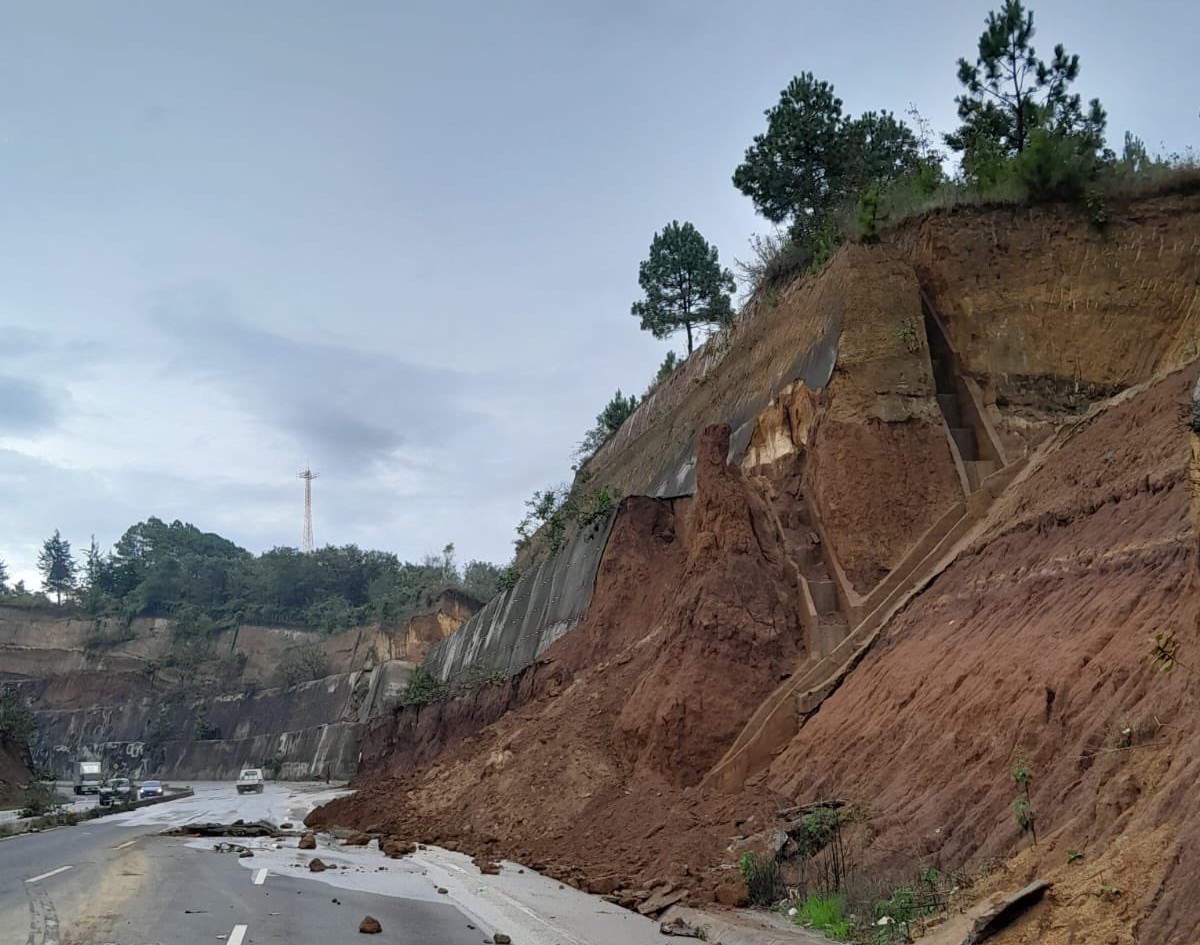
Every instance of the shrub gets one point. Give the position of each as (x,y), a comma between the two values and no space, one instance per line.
(823,914)
(760,873)
(16,720)
(303,664)
(423,688)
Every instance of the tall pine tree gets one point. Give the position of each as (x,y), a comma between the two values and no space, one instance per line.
(684,284)
(1010,92)
(56,565)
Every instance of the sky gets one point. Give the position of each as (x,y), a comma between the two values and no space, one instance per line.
(398,242)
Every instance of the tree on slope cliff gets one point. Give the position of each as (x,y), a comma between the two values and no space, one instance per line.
(684,284)
(1011,94)
(813,160)
(608,422)
(3,577)
(56,565)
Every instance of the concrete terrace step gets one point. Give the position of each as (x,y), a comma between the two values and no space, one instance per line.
(824,595)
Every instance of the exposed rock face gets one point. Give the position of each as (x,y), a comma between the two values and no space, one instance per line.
(99,694)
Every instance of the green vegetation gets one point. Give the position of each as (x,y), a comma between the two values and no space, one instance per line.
(1074,856)
(1012,96)
(556,511)
(1024,137)
(813,162)
(207,584)
(303,664)
(423,688)
(57,566)
(760,873)
(1022,806)
(669,363)
(684,284)
(824,914)
(16,720)
(608,422)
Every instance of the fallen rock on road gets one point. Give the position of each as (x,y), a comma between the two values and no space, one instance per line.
(370,926)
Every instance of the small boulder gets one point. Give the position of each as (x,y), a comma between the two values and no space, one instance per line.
(308,842)
(501,939)
(733,894)
(370,926)
(245,853)
(315,865)
(604,885)
(442,890)
(357,839)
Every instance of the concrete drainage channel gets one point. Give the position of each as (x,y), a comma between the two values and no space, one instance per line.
(18,825)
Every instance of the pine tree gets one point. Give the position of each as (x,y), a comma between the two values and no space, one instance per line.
(1010,92)
(56,565)
(684,284)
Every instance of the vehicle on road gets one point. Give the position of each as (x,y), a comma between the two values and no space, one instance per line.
(251,779)
(117,791)
(151,789)
(88,777)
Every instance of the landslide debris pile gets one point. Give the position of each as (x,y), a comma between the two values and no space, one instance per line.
(591,776)
(1036,637)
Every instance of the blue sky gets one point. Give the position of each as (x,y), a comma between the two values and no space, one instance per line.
(399,241)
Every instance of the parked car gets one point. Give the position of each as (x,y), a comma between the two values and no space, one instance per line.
(151,789)
(251,779)
(117,791)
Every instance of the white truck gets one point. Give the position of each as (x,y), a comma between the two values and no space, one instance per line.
(89,775)
(251,779)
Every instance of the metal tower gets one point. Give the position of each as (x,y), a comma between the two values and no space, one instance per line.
(308,476)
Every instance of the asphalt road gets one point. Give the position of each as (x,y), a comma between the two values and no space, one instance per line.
(116,880)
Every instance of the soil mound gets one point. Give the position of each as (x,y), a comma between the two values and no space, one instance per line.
(692,622)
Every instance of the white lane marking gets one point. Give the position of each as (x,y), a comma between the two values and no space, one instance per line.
(236,936)
(39,878)
(127,843)
(259,876)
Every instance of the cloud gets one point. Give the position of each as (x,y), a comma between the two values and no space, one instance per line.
(343,406)
(27,407)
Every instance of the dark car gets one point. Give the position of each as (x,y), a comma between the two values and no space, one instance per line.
(117,791)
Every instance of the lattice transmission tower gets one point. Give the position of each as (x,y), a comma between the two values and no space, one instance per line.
(308,476)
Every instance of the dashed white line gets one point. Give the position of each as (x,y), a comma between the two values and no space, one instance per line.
(127,843)
(41,876)
(259,876)
(236,936)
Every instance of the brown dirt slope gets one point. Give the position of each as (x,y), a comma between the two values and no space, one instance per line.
(1037,640)
(1034,639)
(691,624)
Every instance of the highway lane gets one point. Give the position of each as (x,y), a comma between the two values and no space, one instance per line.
(116,880)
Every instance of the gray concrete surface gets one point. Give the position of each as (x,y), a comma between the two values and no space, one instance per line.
(517,626)
(117,881)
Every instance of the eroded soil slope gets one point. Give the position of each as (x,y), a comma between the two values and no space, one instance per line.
(1037,640)
(1034,639)
(692,623)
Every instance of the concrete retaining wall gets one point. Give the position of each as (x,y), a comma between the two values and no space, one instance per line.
(516,627)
